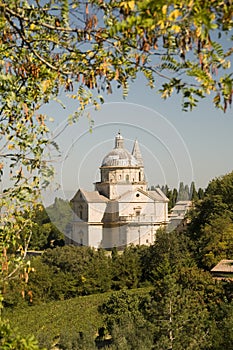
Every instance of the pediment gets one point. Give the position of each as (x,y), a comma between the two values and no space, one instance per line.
(136,196)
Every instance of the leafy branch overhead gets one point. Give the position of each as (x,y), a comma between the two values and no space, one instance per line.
(85,48)
(58,44)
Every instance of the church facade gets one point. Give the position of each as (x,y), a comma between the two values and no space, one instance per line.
(120,211)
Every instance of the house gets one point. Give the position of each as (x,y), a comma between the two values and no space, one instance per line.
(223,270)
(178,213)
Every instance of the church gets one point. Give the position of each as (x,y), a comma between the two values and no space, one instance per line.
(120,211)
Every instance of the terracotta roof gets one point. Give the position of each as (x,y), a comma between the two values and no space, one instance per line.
(223,266)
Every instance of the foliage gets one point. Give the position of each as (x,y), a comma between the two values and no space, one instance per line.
(125,322)
(193,193)
(60,214)
(171,308)
(211,226)
(127,268)
(223,336)
(182,297)
(52,321)
(45,234)
(82,266)
(10,339)
(180,312)
(184,193)
(66,272)
(73,340)
(120,306)
(167,254)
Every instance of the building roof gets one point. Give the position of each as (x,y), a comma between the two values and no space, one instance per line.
(119,156)
(153,195)
(137,153)
(182,206)
(223,266)
(92,197)
(157,194)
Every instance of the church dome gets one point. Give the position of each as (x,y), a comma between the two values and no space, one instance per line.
(119,156)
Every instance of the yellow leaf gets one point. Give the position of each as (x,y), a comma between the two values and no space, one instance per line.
(174,15)
(32,26)
(198,32)
(83,279)
(164,9)
(11,146)
(45,84)
(190,4)
(175,28)
(131,5)
(90,53)
(161,24)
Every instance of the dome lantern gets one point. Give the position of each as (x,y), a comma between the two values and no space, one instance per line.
(119,141)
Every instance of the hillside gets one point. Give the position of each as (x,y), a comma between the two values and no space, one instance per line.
(61,318)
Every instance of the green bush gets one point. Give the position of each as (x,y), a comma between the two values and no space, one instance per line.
(10,339)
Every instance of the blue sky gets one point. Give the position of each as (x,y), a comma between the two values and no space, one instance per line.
(176,146)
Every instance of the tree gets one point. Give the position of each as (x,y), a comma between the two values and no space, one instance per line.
(193,192)
(200,193)
(215,241)
(60,214)
(174,197)
(80,270)
(183,193)
(125,322)
(180,319)
(169,194)
(127,269)
(211,223)
(168,253)
(178,307)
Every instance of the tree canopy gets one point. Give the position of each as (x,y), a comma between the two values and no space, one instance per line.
(211,227)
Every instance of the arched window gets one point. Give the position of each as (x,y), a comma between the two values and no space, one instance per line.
(127,178)
(139,176)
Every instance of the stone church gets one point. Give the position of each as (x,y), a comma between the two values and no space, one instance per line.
(120,211)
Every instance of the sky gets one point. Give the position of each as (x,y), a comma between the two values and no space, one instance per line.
(176,146)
